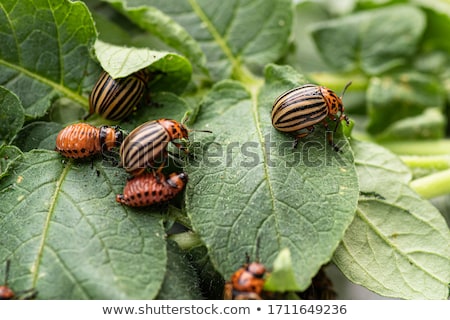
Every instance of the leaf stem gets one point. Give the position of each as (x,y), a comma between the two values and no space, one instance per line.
(433,185)
(438,162)
(250,81)
(186,240)
(425,147)
(177,215)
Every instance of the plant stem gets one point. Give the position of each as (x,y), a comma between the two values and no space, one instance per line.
(186,240)
(433,185)
(251,82)
(438,162)
(177,215)
(426,147)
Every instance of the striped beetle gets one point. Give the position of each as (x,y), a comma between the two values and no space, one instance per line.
(151,188)
(305,106)
(147,144)
(82,140)
(115,99)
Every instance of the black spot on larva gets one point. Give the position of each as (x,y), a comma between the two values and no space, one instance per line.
(153,193)
(132,197)
(83,150)
(139,195)
(160,192)
(75,151)
(146,193)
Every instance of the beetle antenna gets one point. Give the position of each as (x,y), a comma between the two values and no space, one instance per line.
(195,130)
(345,89)
(341,117)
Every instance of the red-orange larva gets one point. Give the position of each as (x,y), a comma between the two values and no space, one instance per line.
(246,283)
(151,188)
(83,140)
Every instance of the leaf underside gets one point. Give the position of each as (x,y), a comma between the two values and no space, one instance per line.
(398,244)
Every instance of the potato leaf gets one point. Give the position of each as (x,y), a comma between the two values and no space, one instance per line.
(70,239)
(45,52)
(398,245)
(11,115)
(373,40)
(231,34)
(250,192)
(173,71)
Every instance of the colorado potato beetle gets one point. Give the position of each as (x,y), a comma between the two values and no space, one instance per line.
(82,140)
(147,144)
(246,283)
(304,107)
(151,188)
(115,99)
(6,293)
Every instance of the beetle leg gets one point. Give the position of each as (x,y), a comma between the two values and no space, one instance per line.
(331,142)
(330,135)
(157,176)
(164,155)
(159,169)
(302,135)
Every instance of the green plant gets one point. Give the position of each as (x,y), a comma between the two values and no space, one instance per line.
(223,63)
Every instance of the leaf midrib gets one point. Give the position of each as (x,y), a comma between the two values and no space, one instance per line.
(252,84)
(215,34)
(56,86)
(46,226)
(364,217)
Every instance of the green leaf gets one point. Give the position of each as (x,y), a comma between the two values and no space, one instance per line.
(45,52)
(282,278)
(430,124)
(305,56)
(232,34)
(398,244)
(180,282)
(120,62)
(7,155)
(438,25)
(247,185)
(62,227)
(65,111)
(37,135)
(162,105)
(211,282)
(157,23)
(11,115)
(373,41)
(392,98)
